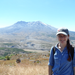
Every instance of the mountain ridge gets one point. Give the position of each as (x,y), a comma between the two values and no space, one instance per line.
(24,26)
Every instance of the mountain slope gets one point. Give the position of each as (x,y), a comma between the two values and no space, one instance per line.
(23,26)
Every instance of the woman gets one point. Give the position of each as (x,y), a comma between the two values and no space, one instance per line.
(60,62)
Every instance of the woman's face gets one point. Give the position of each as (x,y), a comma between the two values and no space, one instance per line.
(62,38)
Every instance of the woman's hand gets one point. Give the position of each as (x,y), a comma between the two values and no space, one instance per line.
(50,70)
(74,70)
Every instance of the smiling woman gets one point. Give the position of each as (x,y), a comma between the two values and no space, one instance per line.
(62,38)
(62,62)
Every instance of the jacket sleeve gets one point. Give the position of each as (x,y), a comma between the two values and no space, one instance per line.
(51,57)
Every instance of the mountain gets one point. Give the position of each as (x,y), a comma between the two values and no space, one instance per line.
(22,26)
(31,35)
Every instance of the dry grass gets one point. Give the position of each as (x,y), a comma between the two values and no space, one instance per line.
(27,66)
(21,69)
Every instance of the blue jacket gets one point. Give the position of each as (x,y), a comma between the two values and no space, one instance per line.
(59,62)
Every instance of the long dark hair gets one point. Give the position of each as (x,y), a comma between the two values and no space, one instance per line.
(68,47)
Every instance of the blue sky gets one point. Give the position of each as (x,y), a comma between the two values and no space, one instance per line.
(57,13)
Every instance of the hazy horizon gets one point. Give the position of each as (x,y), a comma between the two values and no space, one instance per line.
(56,13)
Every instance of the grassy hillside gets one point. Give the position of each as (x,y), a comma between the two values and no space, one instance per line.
(8,52)
(32,64)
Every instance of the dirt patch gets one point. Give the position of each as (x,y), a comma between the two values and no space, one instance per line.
(39,51)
